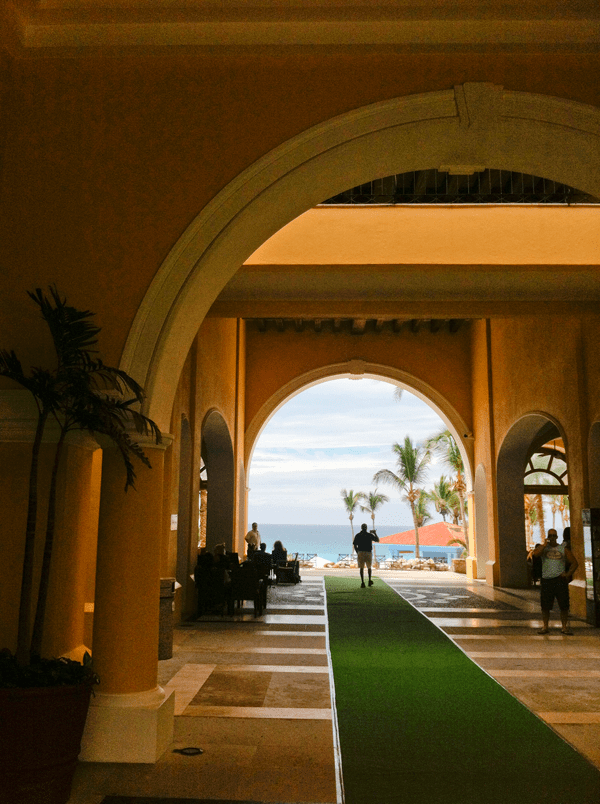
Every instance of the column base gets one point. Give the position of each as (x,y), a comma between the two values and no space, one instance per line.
(135,727)
(472,568)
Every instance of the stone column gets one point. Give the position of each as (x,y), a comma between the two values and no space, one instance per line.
(471,562)
(131,718)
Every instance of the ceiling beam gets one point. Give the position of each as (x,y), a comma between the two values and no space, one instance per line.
(358,326)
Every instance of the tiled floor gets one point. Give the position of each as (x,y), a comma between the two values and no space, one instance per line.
(254,694)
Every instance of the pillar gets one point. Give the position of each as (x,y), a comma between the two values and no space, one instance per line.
(471,562)
(131,718)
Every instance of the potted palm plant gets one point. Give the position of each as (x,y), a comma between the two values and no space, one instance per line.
(44,700)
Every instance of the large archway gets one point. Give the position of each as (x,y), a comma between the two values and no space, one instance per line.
(527,434)
(463,129)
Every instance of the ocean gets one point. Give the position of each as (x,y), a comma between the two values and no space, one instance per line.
(331,541)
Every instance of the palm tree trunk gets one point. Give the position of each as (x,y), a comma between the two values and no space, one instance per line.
(414,515)
(26,598)
(374,551)
(539,507)
(40,613)
(351,517)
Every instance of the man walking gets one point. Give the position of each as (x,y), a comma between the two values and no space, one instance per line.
(363,544)
(555,579)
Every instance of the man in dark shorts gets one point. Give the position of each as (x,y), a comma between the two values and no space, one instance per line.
(363,544)
(555,579)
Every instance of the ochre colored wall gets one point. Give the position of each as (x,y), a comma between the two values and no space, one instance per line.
(441,360)
(107,160)
(537,368)
(212,379)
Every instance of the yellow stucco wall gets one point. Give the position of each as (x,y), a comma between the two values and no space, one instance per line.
(441,360)
(107,160)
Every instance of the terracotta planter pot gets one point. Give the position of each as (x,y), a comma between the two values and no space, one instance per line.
(459,565)
(40,738)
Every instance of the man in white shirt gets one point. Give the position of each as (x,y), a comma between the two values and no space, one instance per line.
(253,538)
(555,579)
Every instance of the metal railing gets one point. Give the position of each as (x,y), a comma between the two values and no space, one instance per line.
(486,187)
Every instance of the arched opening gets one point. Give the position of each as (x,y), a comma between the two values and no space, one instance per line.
(526,438)
(217,454)
(334,435)
(482,548)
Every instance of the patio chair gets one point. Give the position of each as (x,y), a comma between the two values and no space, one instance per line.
(246,584)
(288,571)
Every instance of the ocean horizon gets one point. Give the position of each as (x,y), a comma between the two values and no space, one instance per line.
(331,541)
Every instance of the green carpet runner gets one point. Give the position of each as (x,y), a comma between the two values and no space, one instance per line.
(420,722)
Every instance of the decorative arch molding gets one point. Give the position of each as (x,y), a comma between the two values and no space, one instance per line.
(461,130)
(357,369)
(512,459)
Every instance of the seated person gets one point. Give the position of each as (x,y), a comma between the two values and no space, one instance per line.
(221,557)
(279,554)
(262,561)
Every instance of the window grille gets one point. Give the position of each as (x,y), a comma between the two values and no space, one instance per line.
(487,187)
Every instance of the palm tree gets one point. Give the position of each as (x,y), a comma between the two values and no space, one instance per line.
(80,392)
(563,508)
(443,497)
(351,502)
(530,518)
(421,509)
(412,463)
(374,500)
(444,444)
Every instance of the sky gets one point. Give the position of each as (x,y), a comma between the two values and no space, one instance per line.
(335,436)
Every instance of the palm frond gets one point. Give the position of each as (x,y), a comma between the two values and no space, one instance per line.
(72,330)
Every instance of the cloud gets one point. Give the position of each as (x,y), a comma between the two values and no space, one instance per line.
(332,436)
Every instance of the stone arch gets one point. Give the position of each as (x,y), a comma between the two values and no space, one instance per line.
(360,368)
(217,453)
(472,126)
(533,428)
(482,548)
